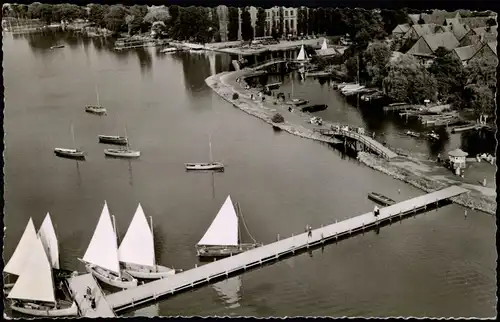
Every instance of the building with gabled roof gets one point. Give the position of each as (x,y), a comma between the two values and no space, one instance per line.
(400,30)
(456,27)
(466,53)
(428,44)
(476,22)
(417,31)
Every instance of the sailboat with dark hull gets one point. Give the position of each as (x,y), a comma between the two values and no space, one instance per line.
(34,293)
(113,139)
(70,153)
(137,252)
(101,257)
(206,166)
(222,237)
(125,152)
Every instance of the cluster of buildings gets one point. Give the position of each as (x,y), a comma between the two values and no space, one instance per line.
(467,38)
(272,20)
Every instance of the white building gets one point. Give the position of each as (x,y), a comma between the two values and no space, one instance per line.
(223,14)
(289,20)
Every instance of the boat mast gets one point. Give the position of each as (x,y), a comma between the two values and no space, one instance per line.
(239,214)
(116,236)
(97,94)
(126,136)
(210,147)
(357,59)
(152,234)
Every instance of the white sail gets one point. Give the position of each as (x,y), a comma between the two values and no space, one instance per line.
(47,235)
(302,54)
(324,47)
(137,247)
(23,250)
(103,248)
(224,228)
(35,283)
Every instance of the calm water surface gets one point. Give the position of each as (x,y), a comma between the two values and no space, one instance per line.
(437,264)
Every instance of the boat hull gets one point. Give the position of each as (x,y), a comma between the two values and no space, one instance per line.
(380,199)
(149,273)
(69,154)
(204,166)
(37,310)
(122,154)
(206,252)
(126,280)
(118,140)
(95,110)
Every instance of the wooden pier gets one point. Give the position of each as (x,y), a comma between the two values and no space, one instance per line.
(77,287)
(223,268)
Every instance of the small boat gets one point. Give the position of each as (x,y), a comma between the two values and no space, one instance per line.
(70,153)
(124,152)
(96,109)
(57,46)
(342,85)
(137,251)
(169,50)
(411,133)
(212,165)
(381,199)
(298,101)
(314,108)
(101,258)
(31,264)
(222,237)
(113,139)
(433,136)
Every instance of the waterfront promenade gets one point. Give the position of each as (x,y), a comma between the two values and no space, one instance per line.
(149,292)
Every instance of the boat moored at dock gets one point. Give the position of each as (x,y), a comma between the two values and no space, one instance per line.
(381,199)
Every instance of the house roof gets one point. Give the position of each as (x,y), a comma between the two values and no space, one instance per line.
(401,28)
(445,39)
(439,16)
(465,53)
(488,34)
(458,153)
(493,46)
(414,18)
(427,29)
(476,22)
(457,28)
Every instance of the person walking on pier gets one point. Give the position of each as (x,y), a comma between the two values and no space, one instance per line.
(376,211)
(309,231)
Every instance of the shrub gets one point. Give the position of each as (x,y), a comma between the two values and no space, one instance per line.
(235,96)
(278,118)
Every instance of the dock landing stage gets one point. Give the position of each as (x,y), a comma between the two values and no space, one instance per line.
(149,292)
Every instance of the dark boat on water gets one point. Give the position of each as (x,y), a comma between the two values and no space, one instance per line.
(314,108)
(69,153)
(381,199)
(113,139)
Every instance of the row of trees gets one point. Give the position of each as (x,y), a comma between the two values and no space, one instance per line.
(406,79)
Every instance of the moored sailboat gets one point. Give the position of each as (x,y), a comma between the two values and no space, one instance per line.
(212,165)
(113,139)
(34,292)
(96,109)
(101,257)
(123,152)
(48,237)
(137,253)
(222,237)
(70,153)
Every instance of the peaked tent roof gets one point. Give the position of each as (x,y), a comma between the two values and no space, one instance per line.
(403,28)
(48,236)
(23,250)
(137,246)
(224,228)
(445,39)
(103,248)
(35,282)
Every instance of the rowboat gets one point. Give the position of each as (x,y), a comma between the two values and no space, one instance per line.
(381,199)
(222,237)
(69,153)
(169,50)
(298,101)
(122,153)
(57,46)
(113,139)
(411,133)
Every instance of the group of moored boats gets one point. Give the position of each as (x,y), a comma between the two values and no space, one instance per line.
(79,154)
(36,258)
(431,135)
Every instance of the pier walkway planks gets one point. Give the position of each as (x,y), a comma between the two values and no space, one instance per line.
(203,274)
(78,288)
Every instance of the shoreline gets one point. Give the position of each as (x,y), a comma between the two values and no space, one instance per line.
(220,83)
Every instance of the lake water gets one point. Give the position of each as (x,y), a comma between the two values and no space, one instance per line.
(436,264)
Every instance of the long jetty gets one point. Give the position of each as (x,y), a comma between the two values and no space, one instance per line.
(149,292)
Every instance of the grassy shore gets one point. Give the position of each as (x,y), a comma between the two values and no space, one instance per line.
(423,174)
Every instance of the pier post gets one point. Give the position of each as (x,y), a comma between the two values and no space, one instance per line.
(278,237)
(195,265)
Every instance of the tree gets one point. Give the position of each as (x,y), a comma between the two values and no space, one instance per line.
(157,14)
(281,23)
(277,118)
(115,18)
(46,13)
(311,23)
(376,58)
(392,18)
(96,15)
(491,22)
(215,24)
(302,21)
(246,25)
(260,25)
(449,74)
(481,85)
(233,24)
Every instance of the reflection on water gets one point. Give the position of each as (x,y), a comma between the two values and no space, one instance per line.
(149,311)
(229,291)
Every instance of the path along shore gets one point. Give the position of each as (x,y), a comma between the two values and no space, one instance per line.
(419,173)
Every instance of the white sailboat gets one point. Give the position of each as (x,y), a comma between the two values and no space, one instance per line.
(70,153)
(324,46)
(212,165)
(101,257)
(302,59)
(96,109)
(33,293)
(137,250)
(48,236)
(222,237)
(123,152)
